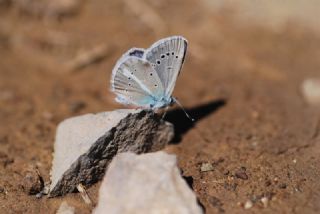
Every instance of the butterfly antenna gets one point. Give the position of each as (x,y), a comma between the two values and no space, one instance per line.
(179,104)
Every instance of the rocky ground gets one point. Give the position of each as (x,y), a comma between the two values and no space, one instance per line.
(255,145)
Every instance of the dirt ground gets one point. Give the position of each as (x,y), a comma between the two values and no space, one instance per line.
(241,81)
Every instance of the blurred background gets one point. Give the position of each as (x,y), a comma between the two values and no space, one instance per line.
(56,58)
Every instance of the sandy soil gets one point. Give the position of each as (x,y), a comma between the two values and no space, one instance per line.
(241,81)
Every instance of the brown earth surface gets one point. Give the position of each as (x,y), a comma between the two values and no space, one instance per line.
(241,81)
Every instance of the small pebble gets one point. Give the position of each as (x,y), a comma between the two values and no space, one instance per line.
(32,183)
(248,204)
(311,90)
(241,173)
(226,172)
(46,188)
(77,106)
(267,183)
(39,195)
(283,186)
(205,167)
(265,201)
(294,161)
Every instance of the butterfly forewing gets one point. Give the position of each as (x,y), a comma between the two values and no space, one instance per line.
(135,82)
(167,56)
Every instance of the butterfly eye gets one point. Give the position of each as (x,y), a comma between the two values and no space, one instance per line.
(172,53)
(168,53)
(158,61)
(155,85)
(162,56)
(177,57)
(151,74)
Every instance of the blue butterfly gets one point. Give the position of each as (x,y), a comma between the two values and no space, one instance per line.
(146,77)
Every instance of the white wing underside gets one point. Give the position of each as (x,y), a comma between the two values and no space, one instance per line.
(141,76)
(170,52)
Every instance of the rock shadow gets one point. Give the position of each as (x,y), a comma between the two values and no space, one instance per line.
(182,123)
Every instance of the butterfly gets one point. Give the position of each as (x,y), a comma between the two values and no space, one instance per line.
(146,77)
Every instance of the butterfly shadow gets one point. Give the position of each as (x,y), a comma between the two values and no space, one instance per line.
(182,123)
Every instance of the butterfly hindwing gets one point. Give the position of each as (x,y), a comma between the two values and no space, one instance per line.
(167,57)
(135,82)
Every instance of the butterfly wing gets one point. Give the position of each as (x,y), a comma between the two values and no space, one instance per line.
(134,81)
(167,56)
(137,52)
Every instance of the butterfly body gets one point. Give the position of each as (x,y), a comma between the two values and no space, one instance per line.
(146,77)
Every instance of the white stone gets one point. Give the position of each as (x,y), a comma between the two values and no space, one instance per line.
(265,201)
(311,91)
(145,184)
(248,204)
(75,136)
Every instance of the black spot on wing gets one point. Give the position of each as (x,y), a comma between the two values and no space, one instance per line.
(136,53)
